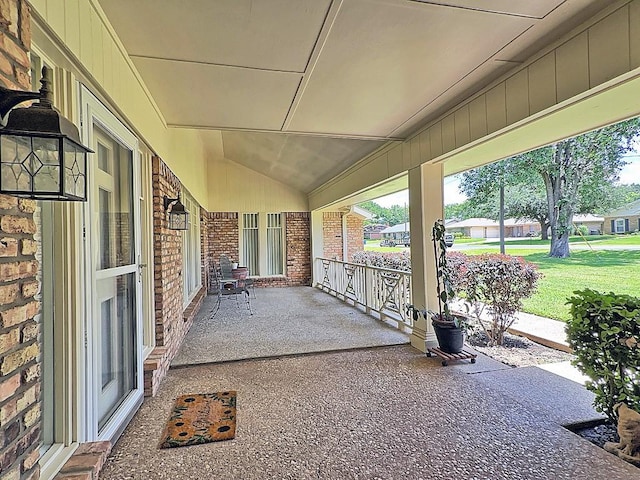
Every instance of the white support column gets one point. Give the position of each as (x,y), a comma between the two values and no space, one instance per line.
(426,205)
(317,244)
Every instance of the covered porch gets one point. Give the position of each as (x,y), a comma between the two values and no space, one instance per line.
(383,412)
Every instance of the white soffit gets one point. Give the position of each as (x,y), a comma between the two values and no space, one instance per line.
(200,95)
(525,8)
(384,60)
(264,34)
(301,161)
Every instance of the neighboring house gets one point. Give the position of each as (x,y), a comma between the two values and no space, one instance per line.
(396,232)
(487,228)
(374,231)
(624,219)
(594,223)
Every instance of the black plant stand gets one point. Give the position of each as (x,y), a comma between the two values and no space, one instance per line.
(447,357)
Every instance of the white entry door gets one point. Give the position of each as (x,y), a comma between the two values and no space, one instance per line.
(114,325)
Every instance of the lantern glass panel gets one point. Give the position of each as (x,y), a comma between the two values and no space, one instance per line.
(74,170)
(14,176)
(44,165)
(178,221)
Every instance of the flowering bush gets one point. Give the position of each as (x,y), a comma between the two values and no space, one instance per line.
(497,283)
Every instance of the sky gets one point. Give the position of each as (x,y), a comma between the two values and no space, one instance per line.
(630,174)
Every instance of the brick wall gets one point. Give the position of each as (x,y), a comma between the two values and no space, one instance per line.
(172,321)
(355,235)
(224,235)
(223,232)
(206,246)
(19,328)
(298,240)
(332,235)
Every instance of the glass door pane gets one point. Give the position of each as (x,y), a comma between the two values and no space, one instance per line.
(115,332)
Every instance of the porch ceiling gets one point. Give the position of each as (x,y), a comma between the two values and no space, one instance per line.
(302,89)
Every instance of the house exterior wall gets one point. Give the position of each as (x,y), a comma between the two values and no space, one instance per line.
(333,241)
(20,346)
(235,188)
(172,320)
(592,226)
(355,235)
(332,235)
(633,222)
(224,239)
(298,240)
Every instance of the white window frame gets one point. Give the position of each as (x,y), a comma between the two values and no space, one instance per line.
(617,223)
(191,259)
(60,241)
(263,244)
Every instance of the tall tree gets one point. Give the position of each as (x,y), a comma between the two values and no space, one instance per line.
(576,171)
(576,176)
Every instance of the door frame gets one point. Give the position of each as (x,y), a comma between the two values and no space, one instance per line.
(94,112)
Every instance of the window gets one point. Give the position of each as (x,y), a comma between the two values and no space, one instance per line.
(262,243)
(620,225)
(274,244)
(250,249)
(191,250)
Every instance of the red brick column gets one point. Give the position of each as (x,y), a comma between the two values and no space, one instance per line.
(332,235)
(355,235)
(172,321)
(298,234)
(20,347)
(225,235)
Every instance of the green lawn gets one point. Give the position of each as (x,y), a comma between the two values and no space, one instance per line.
(593,239)
(607,271)
(603,270)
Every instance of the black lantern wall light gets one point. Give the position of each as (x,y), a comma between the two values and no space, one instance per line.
(41,155)
(178,216)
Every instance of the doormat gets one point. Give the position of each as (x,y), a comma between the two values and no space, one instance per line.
(201,418)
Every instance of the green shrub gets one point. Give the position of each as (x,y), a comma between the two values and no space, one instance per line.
(582,230)
(604,333)
(497,283)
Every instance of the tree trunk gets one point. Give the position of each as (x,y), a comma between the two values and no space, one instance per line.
(560,246)
(544,229)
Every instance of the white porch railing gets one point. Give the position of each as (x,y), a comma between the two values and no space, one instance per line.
(380,292)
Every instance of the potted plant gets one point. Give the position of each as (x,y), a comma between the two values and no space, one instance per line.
(449,327)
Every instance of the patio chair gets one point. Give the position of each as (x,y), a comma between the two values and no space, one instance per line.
(225,267)
(223,286)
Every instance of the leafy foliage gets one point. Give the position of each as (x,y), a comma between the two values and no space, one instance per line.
(394,261)
(572,176)
(604,333)
(387,215)
(498,284)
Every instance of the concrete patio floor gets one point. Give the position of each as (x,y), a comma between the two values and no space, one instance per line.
(374,413)
(285,321)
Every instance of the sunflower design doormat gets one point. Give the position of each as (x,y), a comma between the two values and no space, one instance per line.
(201,418)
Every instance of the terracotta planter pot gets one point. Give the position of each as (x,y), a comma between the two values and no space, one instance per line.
(240,273)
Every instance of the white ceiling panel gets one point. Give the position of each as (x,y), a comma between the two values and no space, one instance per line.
(194,94)
(529,8)
(303,162)
(380,62)
(313,70)
(268,34)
